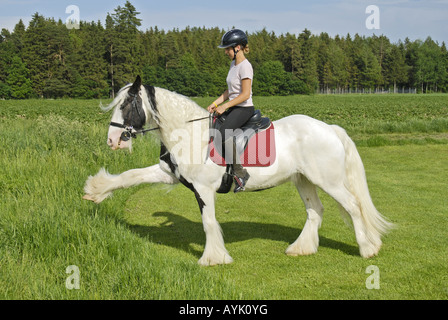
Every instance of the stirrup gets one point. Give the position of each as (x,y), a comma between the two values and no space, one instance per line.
(240,183)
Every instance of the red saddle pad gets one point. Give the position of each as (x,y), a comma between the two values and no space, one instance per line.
(260,150)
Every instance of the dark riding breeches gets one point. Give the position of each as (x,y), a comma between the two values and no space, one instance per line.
(236,117)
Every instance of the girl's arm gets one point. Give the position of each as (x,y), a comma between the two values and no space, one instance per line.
(224,97)
(246,85)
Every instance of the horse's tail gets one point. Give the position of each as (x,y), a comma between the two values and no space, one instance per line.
(375,224)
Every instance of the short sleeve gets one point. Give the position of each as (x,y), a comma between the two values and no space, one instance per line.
(246,71)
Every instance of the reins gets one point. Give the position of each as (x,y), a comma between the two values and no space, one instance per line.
(130,132)
(208,117)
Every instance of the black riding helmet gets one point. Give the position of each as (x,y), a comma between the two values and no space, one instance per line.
(233,38)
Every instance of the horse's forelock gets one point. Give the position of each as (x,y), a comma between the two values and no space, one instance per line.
(121,95)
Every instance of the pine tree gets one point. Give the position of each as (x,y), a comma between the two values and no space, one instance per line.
(122,46)
(18,80)
(380,46)
(7,51)
(290,53)
(339,66)
(18,36)
(370,69)
(35,52)
(126,20)
(444,68)
(307,67)
(171,50)
(89,66)
(59,77)
(125,44)
(110,37)
(395,68)
(430,65)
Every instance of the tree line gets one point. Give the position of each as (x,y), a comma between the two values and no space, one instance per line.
(49,60)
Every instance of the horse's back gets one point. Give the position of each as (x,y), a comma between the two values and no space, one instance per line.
(308,143)
(300,119)
(304,127)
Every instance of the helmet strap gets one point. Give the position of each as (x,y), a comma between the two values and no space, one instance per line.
(235,53)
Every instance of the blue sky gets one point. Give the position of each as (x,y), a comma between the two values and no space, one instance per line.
(399,19)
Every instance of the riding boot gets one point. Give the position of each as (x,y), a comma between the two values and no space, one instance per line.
(240,174)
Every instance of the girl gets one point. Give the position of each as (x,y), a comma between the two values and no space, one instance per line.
(239,109)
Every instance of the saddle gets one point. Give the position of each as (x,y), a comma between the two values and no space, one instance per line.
(255,142)
(255,145)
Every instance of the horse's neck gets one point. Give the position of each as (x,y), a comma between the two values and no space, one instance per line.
(174,112)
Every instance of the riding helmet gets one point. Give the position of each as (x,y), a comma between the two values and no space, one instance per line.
(233,38)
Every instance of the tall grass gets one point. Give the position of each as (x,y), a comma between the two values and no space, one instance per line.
(45,226)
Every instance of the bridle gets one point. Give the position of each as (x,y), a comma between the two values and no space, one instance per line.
(129,131)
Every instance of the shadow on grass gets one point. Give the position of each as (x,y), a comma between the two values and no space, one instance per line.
(182,233)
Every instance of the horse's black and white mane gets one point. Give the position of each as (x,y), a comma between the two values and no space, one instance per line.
(164,108)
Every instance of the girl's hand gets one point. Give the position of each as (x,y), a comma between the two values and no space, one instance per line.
(211,108)
(221,109)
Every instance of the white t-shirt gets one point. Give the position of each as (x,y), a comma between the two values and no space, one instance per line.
(237,73)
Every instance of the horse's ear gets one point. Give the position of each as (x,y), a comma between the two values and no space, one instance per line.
(136,85)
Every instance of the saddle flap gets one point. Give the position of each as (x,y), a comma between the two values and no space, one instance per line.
(255,126)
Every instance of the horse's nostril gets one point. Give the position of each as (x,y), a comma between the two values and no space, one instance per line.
(109,142)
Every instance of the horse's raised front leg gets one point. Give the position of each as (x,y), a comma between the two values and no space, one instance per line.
(100,186)
(215,251)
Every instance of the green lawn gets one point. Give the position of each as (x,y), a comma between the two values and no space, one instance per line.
(144,242)
(408,184)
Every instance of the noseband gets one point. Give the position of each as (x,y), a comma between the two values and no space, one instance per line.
(129,131)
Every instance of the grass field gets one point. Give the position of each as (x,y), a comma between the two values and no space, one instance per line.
(144,242)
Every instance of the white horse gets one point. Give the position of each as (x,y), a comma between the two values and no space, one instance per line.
(309,152)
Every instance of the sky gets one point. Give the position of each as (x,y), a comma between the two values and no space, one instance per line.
(396,19)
